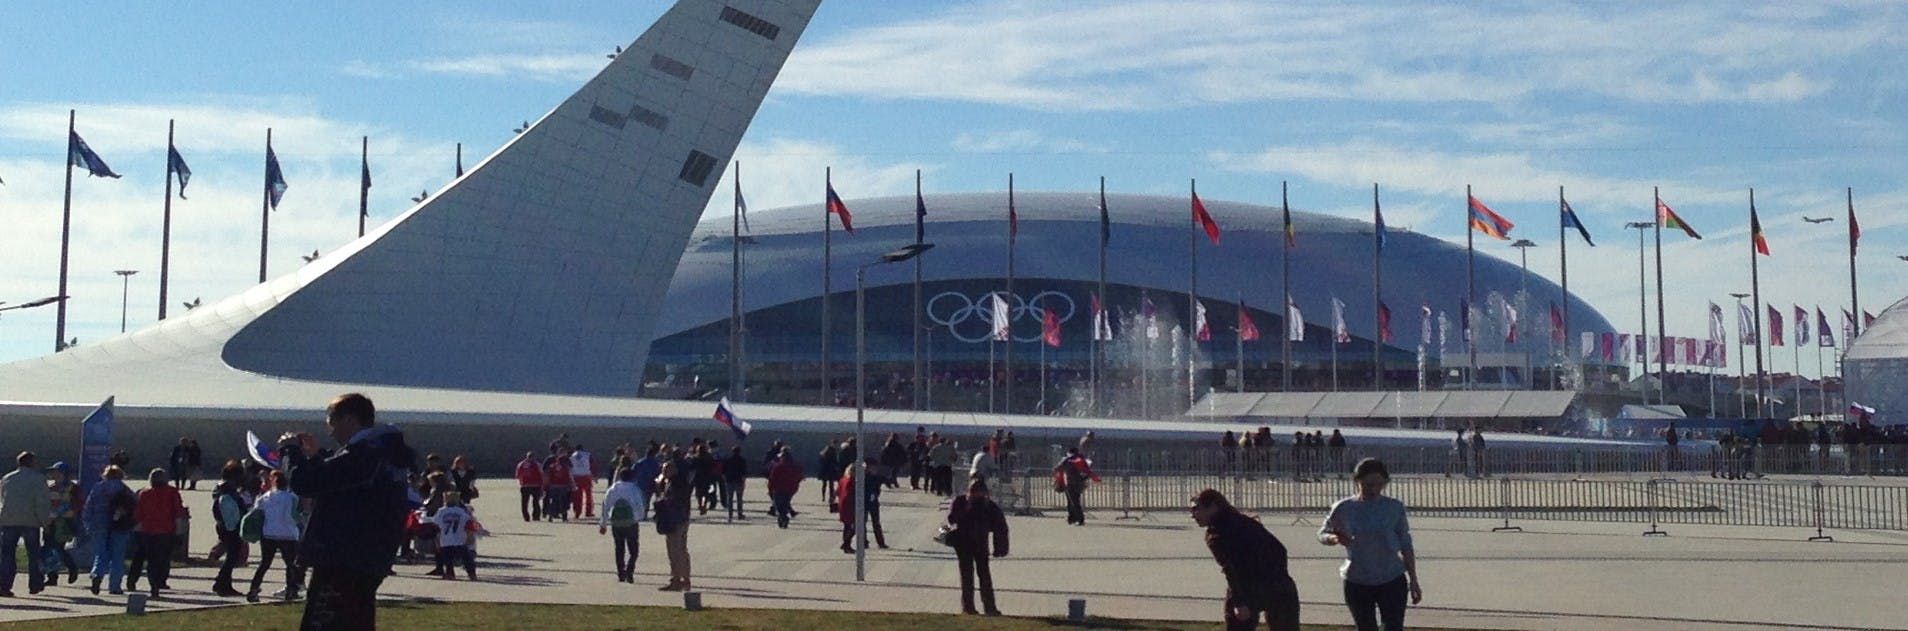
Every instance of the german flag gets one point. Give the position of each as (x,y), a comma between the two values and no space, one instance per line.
(1667,218)
(1755,233)
(1487,222)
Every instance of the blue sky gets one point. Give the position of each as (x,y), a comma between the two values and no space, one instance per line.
(1705,100)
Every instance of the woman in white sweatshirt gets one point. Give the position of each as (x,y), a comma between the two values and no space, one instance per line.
(283,522)
(622,517)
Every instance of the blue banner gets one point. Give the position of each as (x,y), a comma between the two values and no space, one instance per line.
(96,445)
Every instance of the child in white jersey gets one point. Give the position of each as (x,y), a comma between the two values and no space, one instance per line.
(455,528)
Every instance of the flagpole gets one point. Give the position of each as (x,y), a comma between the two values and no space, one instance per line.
(1377,297)
(1099,345)
(1239,335)
(1854,297)
(364,192)
(735,284)
(1146,401)
(165,230)
(1470,293)
(1007,353)
(1796,352)
(1662,357)
(1755,290)
(1192,297)
(1285,280)
(1042,407)
(1821,396)
(1563,262)
(265,210)
(920,229)
(66,233)
(827,387)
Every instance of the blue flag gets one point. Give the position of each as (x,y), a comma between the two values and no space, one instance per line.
(1570,221)
(80,155)
(96,445)
(175,165)
(1378,217)
(920,218)
(274,178)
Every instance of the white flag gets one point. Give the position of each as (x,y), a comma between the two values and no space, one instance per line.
(1510,323)
(1339,332)
(1716,331)
(1200,331)
(1589,345)
(1444,327)
(1102,330)
(1001,315)
(1294,322)
(1745,324)
(1626,350)
(1424,325)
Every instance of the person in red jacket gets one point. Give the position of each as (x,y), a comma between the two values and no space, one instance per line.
(1072,475)
(558,484)
(784,479)
(157,512)
(530,486)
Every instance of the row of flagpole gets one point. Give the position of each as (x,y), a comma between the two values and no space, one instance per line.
(79,154)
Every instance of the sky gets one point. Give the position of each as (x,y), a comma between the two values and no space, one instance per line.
(1702,100)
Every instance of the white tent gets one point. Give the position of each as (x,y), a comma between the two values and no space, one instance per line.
(1876,366)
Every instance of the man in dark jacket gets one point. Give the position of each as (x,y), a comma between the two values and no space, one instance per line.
(1254,562)
(359,499)
(893,458)
(975,517)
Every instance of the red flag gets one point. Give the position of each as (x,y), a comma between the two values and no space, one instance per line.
(1384,323)
(1247,330)
(1775,326)
(1669,219)
(838,209)
(1050,328)
(1204,219)
(1556,324)
(1854,229)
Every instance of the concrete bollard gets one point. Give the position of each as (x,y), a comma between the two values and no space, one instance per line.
(1076,610)
(692,601)
(135,604)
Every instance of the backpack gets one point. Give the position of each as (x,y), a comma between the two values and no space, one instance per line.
(252,525)
(622,515)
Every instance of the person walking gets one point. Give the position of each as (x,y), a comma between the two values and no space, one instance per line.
(279,508)
(176,461)
(1480,464)
(108,518)
(24,513)
(1380,565)
(530,487)
(828,470)
(984,467)
(917,458)
(1258,582)
(195,461)
(784,480)
(558,483)
(229,505)
(976,518)
(1460,456)
(894,457)
(64,498)
(358,501)
(1073,473)
(622,520)
(583,477)
(941,459)
(157,511)
(850,484)
(647,469)
(672,522)
(455,531)
(735,474)
(1337,446)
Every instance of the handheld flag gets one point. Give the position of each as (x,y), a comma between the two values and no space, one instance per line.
(1668,219)
(1755,233)
(261,452)
(1102,329)
(1001,313)
(1488,222)
(1570,220)
(1824,336)
(1801,326)
(726,418)
(274,178)
(1775,326)
(175,165)
(1204,219)
(1340,333)
(840,210)
(1050,328)
(1384,322)
(82,156)
(1200,331)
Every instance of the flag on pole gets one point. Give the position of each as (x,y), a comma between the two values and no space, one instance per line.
(1587,344)
(1716,330)
(998,306)
(1102,329)
(176,166)
(1013,215)
(1378,223)
(1854,229)
(1824,336)
(1444,328)
(1848,327)
(274,177)
(82,156)
(1755,233)
(364,181)
(1689,352)
(1629,347)
(1617,347)
(1484,220)
(1294,322)
(1050,328)
(1150,315)
(1510,323)
(1106,223)
(1745,323)
(1291,232)
(1775,326)
(920,217)
(1801,326)
(1204,219)
(1557,332)
(1340,333)
(742,206)
(726,418)
(1424,324)
(1200,330)
(1464,320)
(840,210)
(1249,331)
(1668,219)
(1384,322)
(260,452)
(1570,220)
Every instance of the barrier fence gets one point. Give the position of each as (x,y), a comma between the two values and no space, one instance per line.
(1136,482)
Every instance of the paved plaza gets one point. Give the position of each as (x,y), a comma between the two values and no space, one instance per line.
(1555,575)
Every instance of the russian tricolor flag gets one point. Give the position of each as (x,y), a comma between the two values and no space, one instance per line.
(726,418)
(265,454)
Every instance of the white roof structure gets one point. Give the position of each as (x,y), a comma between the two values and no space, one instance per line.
(536,273)
(1876,366)
(1335,406)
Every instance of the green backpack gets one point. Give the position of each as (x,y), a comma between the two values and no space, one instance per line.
(252,525)
(622,515)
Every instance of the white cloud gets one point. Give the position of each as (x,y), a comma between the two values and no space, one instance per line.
(1021,141)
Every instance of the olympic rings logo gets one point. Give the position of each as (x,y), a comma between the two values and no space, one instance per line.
(971,319)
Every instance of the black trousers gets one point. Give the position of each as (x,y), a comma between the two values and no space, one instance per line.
(531,503)
(626,538)
(449,557)
(1076,511)
(234,557)
(914,476)
(152,554)
(341,599)
(973,565)
(1372,604)
(286,550)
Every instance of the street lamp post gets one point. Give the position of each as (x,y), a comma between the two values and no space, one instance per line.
(125,283)
(1523,303)
(1642,299)
(32,303)
(861,398)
